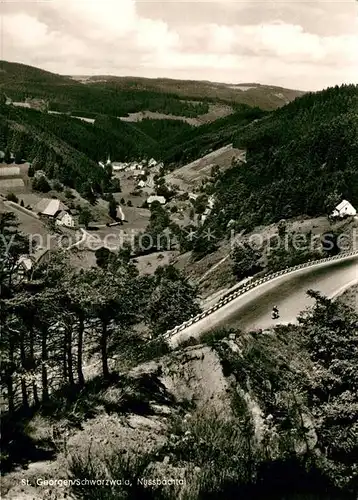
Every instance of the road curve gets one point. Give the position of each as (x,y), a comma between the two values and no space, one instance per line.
(252,310)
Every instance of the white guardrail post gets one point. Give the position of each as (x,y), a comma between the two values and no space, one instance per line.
(247,287)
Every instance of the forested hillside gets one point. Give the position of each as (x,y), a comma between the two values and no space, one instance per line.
(163,130)
(172,141)
(267,97)
(192,144)
(69,146)
(64,94)
(28,134)
(302,159)
(117,96)
(15,73)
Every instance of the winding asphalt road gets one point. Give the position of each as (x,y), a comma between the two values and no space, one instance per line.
(252,310)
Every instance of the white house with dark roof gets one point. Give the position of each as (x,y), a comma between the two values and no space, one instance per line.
(65,219)
(344,209)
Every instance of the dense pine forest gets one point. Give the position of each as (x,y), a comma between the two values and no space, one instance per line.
(163,131)
(49,151)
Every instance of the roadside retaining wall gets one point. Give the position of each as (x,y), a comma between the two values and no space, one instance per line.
(247,287)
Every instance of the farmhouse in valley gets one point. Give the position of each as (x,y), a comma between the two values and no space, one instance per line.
(344,209)
(56,210)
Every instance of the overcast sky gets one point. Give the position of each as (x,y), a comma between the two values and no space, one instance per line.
(305,45)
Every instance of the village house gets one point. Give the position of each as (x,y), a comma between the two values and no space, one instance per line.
(231,223)
(50,207)
(159,199)
(152,163)
(23,266)
(22,269)
(211,202)
(138,173)
(26,263)
(205,214)
(344,209)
